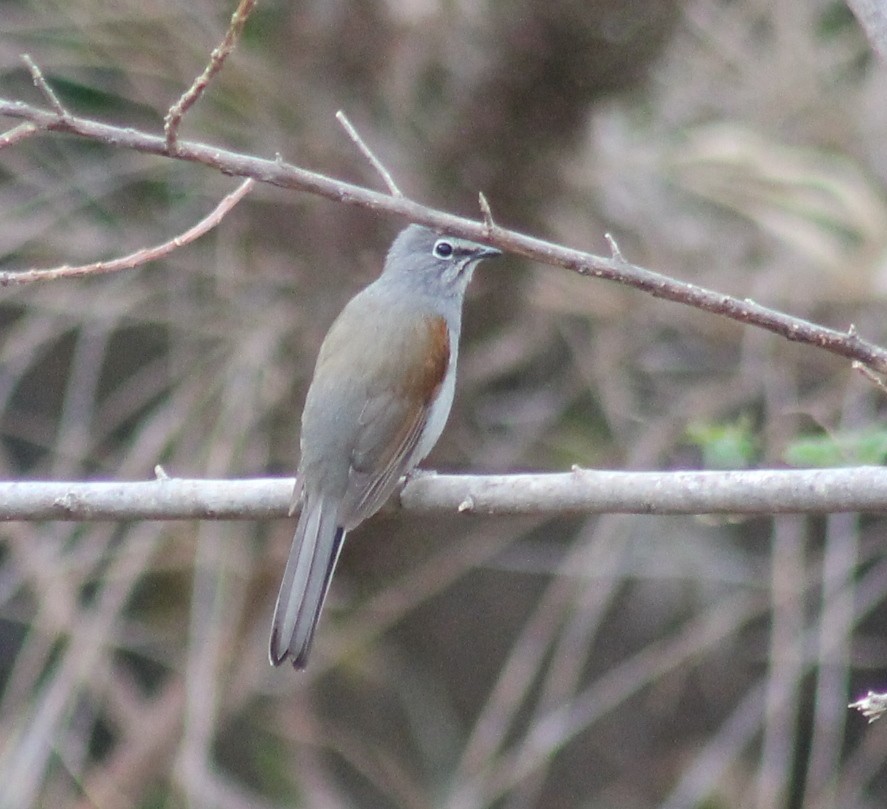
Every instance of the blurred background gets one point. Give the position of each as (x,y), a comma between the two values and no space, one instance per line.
(462,662)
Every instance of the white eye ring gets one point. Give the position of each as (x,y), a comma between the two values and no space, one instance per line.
(443,248)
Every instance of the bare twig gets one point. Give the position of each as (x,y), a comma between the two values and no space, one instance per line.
(764,491)
(16,134)
(486,212)
(43,86)
(872,376)
(871,706)
(368,154)
(615,252)
(140,257)
(216,61)
(276,172)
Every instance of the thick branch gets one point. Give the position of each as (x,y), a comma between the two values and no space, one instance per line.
(580,491)
(276,172)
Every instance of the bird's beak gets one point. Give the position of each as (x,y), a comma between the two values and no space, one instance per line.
(488,252)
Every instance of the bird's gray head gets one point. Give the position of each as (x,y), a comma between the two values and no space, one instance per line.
(435,262)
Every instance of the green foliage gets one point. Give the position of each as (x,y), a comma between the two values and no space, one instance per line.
(860,447)
(725,445)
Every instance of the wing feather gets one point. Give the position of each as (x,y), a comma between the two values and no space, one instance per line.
(393,419)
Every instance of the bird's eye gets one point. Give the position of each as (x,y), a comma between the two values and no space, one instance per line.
(443,248)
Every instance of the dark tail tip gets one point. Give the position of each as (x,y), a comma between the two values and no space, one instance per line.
(278,655)
(303,590)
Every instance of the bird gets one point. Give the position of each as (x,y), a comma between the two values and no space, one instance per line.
(378,401)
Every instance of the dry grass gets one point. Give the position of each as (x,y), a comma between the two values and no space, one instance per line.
(620,661)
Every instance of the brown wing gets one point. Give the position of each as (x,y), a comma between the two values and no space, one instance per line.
(394,416)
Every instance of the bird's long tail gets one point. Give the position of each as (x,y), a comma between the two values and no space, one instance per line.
(307,577)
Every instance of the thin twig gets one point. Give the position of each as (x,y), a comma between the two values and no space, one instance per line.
(486,212)
(216,61)
(43,86)
(143,256)
(368,154)
(872,376)
(871,706)
(615,252)
(276,172)
(17,134)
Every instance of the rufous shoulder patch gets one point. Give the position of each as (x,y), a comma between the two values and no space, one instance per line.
(434,346)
